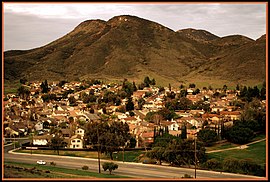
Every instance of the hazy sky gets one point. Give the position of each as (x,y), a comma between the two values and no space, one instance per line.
(31,25)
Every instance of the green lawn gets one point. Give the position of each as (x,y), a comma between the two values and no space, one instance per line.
(221,146)
(57,172)
(129,156)
(256,152)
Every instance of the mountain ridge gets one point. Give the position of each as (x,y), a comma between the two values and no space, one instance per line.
(130,47)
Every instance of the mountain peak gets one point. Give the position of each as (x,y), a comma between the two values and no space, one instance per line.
(199,35)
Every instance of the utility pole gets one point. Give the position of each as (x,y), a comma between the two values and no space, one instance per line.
(195,155)
(123,154)
(98,151)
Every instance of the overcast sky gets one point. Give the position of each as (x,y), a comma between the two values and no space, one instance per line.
(31,25)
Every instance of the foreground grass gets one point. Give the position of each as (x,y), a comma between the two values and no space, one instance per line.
(55,172)
(256,152)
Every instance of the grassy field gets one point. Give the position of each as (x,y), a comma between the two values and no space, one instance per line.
(227,144)
(10,88)
(54,172)
(221,146)
(256,152)
(129,156)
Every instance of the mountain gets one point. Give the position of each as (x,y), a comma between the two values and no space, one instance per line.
(131,47)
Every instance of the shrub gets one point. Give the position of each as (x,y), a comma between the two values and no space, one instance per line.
(187,176)
(110,166)
(52,163)
(212,164)
(85,168)
(231,165)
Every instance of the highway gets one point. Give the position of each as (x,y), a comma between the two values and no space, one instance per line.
(134,170)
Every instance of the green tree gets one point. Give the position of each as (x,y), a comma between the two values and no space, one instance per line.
(147,81)
(156,153)
(129,105)
(44,86)
(184,132)
(141,102)
(207,136)
(23,92)
(57,142)
(72,100)
(111,136)
(192,85)
(110,166)
(239,135)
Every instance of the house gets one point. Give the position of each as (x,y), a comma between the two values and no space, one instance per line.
(232,115)
(76,142)
(80,131)
(42,140)
(130,120)
(217,108)
(39,126)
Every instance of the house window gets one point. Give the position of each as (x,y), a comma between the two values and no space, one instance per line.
(77,145)
(78,141)
(73,141)
(73,146)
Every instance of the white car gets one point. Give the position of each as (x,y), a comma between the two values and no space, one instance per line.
(41,162)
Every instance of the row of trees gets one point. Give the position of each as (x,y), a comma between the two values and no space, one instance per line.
(230,164)
(176,151)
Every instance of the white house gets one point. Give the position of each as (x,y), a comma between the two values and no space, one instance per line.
(76,142)
(79,131)
(41,140)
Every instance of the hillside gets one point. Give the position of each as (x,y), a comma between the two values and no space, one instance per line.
(131,47)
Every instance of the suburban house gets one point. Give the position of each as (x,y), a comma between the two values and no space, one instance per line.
(42,140)
(76,142)
(80,131)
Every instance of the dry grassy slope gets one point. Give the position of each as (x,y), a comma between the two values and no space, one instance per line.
(132,47)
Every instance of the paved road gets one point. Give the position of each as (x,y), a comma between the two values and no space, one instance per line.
(135,170)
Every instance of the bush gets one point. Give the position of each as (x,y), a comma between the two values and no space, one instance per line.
(52,163)
(187,176)
(85,168)
(231,165)
(213,164)
(110,166)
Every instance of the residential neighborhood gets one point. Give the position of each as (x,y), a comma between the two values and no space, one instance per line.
(35,115)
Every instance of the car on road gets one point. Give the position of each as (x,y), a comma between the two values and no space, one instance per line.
(41,162)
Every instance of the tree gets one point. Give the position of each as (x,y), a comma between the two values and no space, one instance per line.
(184,132)
(44,86)
(141,102)
(156,153)
(129,105)
(111,136)
(192,85)
(197,91)
(225,87)
(153,82)
(134,87)
(23,81)
(239,135)
(181,152)
(207,136)
(109,166)
(23,92)
(72,100)
(57,142)
(147,81)
(132,142)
